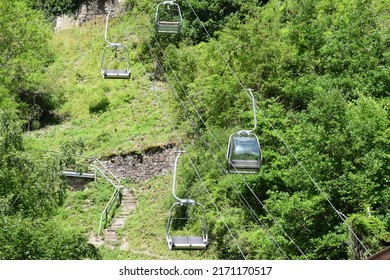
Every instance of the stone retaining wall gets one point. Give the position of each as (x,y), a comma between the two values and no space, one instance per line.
(143,166)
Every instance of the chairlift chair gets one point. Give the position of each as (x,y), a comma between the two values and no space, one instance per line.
(168,24)
(114,73)
(187,242)
(244,153)
(196,212)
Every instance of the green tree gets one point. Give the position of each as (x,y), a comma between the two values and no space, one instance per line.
(36,239)
(24,57)
(29,185)
(31,190)
(54,8)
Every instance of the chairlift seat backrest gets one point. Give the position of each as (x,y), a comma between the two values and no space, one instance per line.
(170,25)
(244,167)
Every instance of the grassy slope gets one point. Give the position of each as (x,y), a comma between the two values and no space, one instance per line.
(135,117)
(138,117)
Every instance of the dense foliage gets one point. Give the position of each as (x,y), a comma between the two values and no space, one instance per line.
(31,190)
(31,187)
(54,8)
(321,73)
(25,55)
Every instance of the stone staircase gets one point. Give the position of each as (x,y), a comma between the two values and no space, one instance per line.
(127,205)
(110,236)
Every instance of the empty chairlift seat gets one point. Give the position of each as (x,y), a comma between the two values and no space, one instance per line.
(109,66)
(76,174)
(187,242)
(168,18)
(116,73)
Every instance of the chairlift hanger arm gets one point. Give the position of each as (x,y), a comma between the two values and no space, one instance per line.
(106,32)
(114,73)
(182,201)
(254,109)
(186,242)
(174,177)
(169,3)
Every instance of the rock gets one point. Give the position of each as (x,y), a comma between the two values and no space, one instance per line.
(90,11)
(141,167)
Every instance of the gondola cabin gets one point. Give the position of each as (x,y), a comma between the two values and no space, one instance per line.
(244,153)
(168,18)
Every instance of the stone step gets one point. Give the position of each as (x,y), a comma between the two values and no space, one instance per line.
(110,238)
(115,227)
(127,205)
(118,222)
(109,231)
(128,196)
(128,201)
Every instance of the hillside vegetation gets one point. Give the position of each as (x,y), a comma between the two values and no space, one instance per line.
(319,71)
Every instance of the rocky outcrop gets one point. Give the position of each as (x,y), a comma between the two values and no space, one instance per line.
(90,11)
(143,166)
